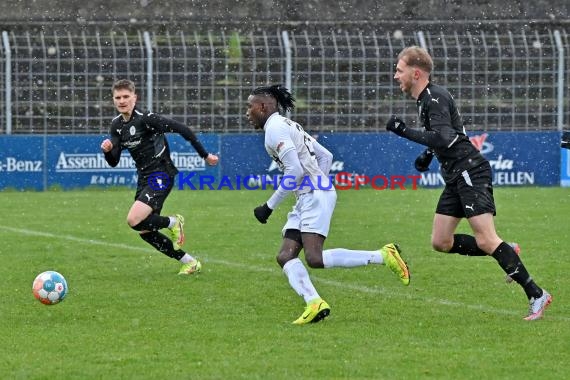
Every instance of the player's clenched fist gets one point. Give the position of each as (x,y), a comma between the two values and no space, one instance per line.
(106,145)
(423,160)
(212,159)
(396,125)
(262,213)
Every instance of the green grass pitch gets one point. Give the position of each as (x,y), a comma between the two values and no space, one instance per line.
(129,316)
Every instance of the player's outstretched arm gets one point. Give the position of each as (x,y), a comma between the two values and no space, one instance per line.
(432,139)
(170,125)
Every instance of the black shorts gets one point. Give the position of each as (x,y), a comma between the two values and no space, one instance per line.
(152,193)
(470,195)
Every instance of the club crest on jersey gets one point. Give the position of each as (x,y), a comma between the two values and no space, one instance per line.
(132,130)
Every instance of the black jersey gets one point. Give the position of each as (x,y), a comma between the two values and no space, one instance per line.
(443,131)
(144,137)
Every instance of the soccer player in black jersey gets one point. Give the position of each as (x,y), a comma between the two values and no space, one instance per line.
(143,135)
(468,191)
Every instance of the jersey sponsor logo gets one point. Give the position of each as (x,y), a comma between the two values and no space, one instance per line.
(131,144)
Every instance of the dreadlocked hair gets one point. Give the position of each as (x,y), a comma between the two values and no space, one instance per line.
(284,98)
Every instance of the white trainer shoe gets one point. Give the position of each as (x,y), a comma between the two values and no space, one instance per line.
(537,306)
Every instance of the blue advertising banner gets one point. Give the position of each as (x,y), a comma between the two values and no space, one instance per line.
(76,161)
(521,158)
(381,160)
(22,162)
(41,162)
(517,159)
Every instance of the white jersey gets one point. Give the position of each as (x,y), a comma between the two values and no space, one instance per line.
(283,135)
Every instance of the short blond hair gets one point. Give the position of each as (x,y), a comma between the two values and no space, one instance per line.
(123,84)
(417,57)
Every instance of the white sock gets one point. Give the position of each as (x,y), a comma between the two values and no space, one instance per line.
(299,279)
(172,221)
(340,257)
(186,259)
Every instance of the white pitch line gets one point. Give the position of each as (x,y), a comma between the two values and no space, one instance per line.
(343,285)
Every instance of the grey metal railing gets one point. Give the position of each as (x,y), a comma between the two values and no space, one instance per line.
(59,82)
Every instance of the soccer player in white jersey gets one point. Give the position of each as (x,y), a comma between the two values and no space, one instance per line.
(305,164)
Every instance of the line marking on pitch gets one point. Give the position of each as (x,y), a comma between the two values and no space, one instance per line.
(359,288)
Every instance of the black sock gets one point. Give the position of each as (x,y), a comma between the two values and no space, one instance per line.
(513,266)
(466,245)
(153,222)
(162,244)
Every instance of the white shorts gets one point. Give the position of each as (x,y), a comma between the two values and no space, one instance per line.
(312,212)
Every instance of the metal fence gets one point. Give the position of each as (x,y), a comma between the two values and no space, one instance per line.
(59,82)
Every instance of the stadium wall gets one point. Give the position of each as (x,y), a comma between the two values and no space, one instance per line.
(41,162)
(272,12)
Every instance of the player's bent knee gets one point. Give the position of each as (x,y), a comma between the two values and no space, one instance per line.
(487,245)
(441,246)
(141,226)
(314,260)
(281,260)
(283,257)
(132,222)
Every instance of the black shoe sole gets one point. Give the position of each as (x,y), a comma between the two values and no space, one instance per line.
(321,315)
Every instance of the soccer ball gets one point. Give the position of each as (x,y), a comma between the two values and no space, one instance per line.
(49,287)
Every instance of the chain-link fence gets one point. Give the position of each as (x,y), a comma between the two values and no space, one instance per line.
(59,82)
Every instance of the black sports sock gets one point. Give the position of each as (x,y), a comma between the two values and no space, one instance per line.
(513,266)
(466,245)
(162,244)
(153,222)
